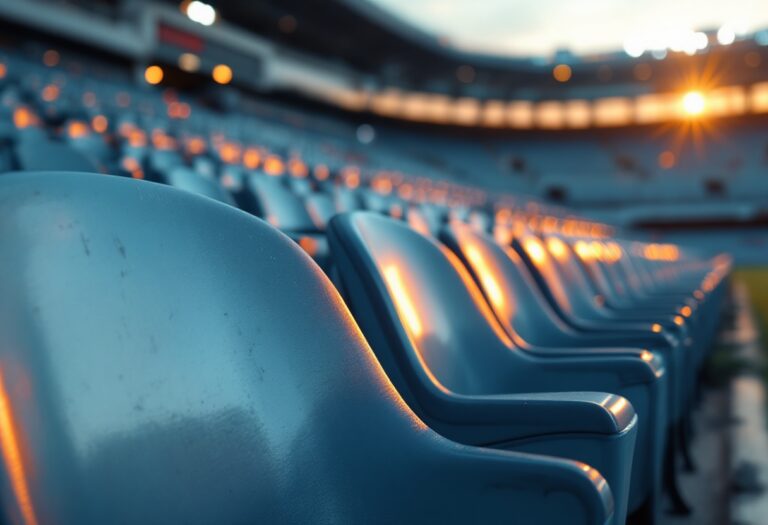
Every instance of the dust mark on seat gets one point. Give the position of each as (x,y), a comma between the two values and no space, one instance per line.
(120,247)
(86,244)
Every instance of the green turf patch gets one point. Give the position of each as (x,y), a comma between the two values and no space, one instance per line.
(756,281)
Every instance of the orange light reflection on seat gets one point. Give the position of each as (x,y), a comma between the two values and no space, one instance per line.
(477,296)
(557,248)
(617,407)
(9,441)
(403,302)
(490,285)
(535,250)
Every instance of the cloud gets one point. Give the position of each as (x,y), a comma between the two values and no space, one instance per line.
(538,27)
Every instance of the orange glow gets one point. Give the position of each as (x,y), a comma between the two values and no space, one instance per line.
(153,75)
(14,463)
(137,138)
(297,168)
(557,248)
(656,328)
(382,185)
(477,296)
(535,250)
(23,118)
(77,129)
(273,165)
(251,158)
(51,58)
(352,178)
(679,320)
(694,103)
(196,146)
(163,141)
(222,74)
(491,287)
(646,356)
(50,92)
(618,407)
(229,152)
(403,303)
(698,294)
(661,252)
(417,221)
(667,160)
(686,311)
(611,252)
(321,172)
(3,70)
(99,123)
(562,72)
(309,245)
(583,250)
(179,110)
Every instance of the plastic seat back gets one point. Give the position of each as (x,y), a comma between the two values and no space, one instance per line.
(506,282)
(185,179)
(163,359)
(440,323)
(275,203)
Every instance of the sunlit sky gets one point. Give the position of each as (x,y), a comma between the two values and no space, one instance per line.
(539,27)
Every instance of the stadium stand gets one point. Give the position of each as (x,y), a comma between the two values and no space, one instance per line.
(193,279)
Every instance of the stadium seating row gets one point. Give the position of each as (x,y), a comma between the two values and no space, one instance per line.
(165,357)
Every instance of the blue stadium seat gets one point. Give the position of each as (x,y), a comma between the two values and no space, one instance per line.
(529,320)
(455,367)
(162,361)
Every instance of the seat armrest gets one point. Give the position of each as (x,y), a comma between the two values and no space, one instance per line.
(496,418)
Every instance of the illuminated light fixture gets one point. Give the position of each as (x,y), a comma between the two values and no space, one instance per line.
(694,103)
(189,62)
(656,328)
(562,72)
(646,356)
(726,35)
(153,75)
(402,300)
(222,74)
(686,311)
(200,12)
(679,321)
